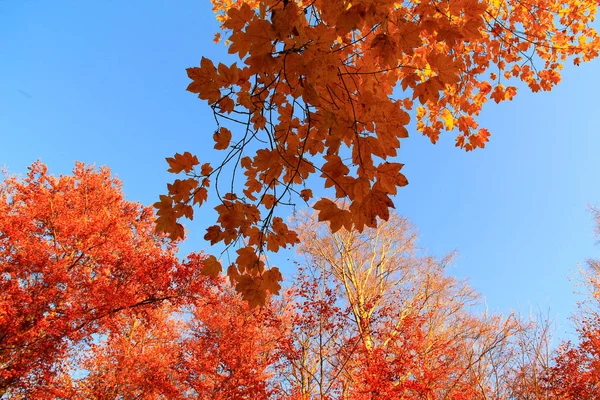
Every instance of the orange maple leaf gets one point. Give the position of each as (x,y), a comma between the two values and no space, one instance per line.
(222,138)
(182,162)
(211,267)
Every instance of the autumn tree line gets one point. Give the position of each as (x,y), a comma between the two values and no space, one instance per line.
(95,304)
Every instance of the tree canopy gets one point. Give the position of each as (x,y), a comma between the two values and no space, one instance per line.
(324,92)
(74,255)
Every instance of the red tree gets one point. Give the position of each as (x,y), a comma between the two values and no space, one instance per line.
(73,254)
(215,348)
(576,374)
(374,317)
(229,350)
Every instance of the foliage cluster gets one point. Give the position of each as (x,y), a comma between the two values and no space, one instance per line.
(324,92)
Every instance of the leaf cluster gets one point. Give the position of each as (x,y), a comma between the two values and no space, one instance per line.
(326,89)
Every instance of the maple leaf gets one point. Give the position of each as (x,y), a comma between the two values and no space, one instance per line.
(228,75)
(238,18)
(233,274)
(259,34)
(239,44)
(271,280)
(409,37)
(182,162)
(428,90)
(269,201)
(226,105)
(306,194)
(499,93)
(511,92)
(333,169)
(329,211)
(213,234)
(204,81)
(385,47)
(376,204)
(166,202)
(448,119)
(200,196)
(175,230)
(247,259)
(349,20)
(389,178)
(480,138)
(211,267)
(180,190)
(445,66)
(222,138)
(206,169)
(251,290)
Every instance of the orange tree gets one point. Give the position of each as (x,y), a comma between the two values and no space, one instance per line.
(214,348)
(576,371)
(74,255)
(375,317)
(326,88)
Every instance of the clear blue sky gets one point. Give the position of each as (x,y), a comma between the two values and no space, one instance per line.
(104,82)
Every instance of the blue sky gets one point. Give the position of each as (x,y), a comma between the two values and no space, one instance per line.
(104,83)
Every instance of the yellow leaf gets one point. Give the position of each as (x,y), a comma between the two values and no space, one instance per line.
(448,119)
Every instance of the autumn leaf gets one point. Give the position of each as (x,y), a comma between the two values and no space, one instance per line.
(389,178)
(445,67)
(428,90)
(200,196)
(271,280)
(222,138)
(349,20)
(315,99)
(204,81)
(247,259)
(376,205)
(238,18)
(228,75)
(498,94)
(182,162)
(329,211)
(180,190)
(269,201)
(206,169)
(306,194)
(251,290)
(211,267)
(448,119)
